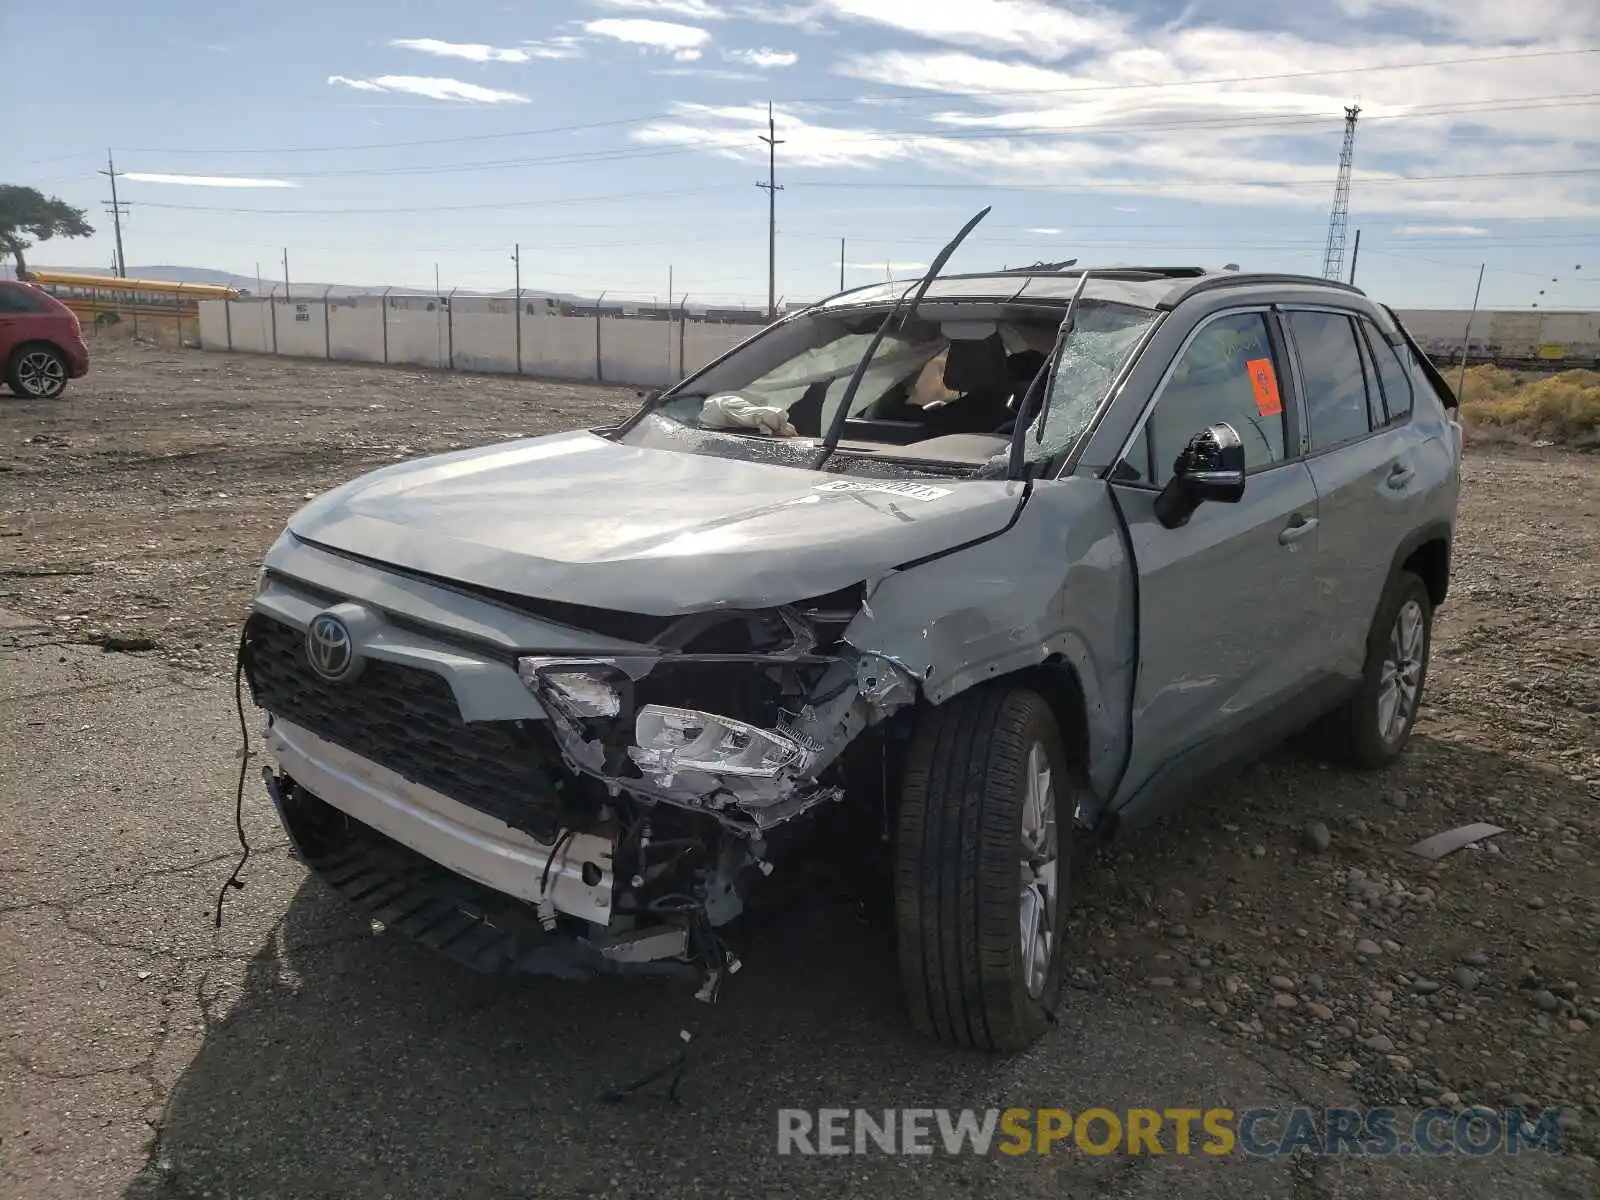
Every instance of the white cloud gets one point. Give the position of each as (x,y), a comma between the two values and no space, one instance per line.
(556,47)
(1044,232)
(1029,27)
(1488,21)
(471,51)
(683,42)
(1468,231)
(216,181)
(361,85)
(1171,115)
(764,58)
(700,10)
(707,73)
(433,88)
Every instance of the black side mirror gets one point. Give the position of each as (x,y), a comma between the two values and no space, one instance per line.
(1211,467)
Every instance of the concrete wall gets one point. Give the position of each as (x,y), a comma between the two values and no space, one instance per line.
(301,329)
(214,324)
(483,332)
(559,347)
(355,330)
(485,335)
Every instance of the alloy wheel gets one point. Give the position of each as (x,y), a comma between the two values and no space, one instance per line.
(41,374)
(1040,855)
(1401,678)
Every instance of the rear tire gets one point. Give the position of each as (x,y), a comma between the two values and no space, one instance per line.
(981,858)
(1372,728)
(37,372)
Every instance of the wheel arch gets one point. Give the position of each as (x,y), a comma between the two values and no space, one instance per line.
(1425,552)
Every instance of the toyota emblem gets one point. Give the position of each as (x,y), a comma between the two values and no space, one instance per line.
(330,649)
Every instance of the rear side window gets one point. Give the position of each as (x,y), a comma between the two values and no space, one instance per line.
(20,300)
(1394,374)
(1335,382)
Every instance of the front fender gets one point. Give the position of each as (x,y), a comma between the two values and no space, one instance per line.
(1057,587)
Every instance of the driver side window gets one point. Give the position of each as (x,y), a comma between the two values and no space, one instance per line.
(1227,373)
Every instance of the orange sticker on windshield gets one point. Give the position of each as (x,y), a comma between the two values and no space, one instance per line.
(1265,384)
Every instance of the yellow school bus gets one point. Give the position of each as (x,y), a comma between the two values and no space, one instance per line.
(105,300)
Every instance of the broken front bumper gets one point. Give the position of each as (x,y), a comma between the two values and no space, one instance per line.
(421,865)
(464,840)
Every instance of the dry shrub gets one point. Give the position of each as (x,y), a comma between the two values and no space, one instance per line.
(147,331)
(1562,408)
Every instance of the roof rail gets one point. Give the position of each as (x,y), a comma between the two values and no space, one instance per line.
(1242,279)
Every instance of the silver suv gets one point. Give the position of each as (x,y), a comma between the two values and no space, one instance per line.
(972,572)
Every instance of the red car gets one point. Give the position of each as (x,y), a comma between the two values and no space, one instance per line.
(41,342)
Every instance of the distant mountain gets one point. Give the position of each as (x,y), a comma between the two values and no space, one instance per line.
(309,290)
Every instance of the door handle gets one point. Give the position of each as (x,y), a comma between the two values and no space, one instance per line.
(1296,529)
(1399,475)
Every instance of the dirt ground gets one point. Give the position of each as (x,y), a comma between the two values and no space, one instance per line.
(1280,914)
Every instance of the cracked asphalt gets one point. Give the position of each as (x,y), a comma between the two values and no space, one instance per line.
(295,1053)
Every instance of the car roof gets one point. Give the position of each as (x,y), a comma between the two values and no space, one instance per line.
(1158,287)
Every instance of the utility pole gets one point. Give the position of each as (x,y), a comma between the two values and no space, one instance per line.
(1355,256)
(841,264)
(516,257)
(1466,338)
(117,210)
(772,188)
(1333,253)
(286,274)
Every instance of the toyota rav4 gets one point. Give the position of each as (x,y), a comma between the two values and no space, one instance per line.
(982,568)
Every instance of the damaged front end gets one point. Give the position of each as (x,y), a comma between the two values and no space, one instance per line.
(737,715)
(645,794)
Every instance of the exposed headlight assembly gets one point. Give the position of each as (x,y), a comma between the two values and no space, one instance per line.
(671,740)
(582,689)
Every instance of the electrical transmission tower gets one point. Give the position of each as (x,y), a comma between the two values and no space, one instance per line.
(1333,256)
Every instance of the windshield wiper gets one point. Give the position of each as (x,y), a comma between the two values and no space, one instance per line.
(1043,386)
(836,426)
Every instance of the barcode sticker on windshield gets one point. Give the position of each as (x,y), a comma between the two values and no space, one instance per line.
(915,491)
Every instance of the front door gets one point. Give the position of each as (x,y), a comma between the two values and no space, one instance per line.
(1223,599)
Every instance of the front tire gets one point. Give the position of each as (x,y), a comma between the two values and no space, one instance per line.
(981,869)
(37,372)
(1373,727)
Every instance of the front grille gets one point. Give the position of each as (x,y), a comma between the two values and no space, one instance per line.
(406,719)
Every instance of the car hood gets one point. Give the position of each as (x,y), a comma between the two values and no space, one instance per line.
(578,518)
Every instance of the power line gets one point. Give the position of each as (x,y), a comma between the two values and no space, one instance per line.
(918,92)
(1116,185)
(1147,185)
(442,141)
(1249,123)
(434,208)
(913,93)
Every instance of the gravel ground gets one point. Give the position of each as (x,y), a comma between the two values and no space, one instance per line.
(1272,943)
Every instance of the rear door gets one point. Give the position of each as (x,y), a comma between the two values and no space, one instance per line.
(1223,599)
(1362,451)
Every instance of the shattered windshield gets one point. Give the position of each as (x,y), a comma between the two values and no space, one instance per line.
(1100,344)
(947,384)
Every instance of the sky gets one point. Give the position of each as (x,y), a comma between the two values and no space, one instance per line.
(619,141)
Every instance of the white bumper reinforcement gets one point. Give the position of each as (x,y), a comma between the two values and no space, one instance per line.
(462,839)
